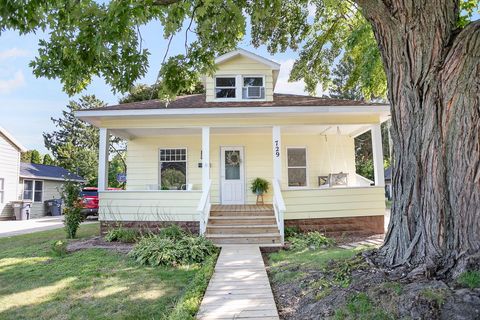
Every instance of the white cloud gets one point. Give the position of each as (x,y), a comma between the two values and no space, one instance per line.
(12,53)
(9,85)
(295,87)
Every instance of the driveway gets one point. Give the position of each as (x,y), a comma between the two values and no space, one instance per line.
(13,228)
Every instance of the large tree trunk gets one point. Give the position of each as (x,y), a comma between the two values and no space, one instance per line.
(433,74)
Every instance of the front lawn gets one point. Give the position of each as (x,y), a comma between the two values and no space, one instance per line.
(90,284)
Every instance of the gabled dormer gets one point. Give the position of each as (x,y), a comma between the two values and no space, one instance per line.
(242,76)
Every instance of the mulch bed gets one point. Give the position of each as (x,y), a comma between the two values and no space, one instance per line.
(99,243)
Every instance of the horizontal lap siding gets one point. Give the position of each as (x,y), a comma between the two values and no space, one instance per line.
(51,190)
(9,170)
(149,206)
(331,203)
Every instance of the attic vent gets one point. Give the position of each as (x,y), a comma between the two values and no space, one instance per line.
(254,92)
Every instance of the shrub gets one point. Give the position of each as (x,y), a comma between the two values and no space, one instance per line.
(164,249)
(291,231)
(59,248)
(71,198)
(259,186)
(470,279)
(312,240)
(122,235)
(173,232)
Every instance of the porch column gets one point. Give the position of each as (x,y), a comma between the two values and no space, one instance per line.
(103,150)
(277,156)
(205,157)
(377,155)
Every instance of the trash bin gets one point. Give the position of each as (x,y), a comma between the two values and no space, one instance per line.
(22,209)
(53,207)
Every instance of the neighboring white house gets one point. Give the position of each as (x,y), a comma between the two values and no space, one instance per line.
(29,182)
(191,161)
(10,150)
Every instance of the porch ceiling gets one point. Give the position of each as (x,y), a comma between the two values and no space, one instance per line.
(352,130)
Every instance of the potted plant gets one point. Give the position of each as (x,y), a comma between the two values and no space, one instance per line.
(259,186)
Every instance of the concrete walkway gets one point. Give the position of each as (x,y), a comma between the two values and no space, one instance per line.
(17,227)
(239,288)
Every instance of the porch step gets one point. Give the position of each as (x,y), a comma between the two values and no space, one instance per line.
(241,220)
(235,238)
(242,229)
(219,213)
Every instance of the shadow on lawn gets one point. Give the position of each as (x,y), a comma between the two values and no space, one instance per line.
(89,284)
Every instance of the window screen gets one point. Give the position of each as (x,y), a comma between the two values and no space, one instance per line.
(297,167)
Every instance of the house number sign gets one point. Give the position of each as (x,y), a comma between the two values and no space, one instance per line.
(277,149)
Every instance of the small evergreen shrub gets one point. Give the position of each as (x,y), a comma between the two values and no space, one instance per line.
(312,240)
(172,247)
(122,235)
(59,248)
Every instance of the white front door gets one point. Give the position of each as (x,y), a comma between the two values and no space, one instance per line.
(232,177)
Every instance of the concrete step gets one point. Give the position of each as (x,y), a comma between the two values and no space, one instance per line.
(259,238)
(241,220)
(215,213)
(242,229)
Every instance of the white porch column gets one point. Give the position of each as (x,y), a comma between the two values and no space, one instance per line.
(205,157)
(103,150)
(277,153)
(377,155)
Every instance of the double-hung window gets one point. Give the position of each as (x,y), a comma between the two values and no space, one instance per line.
(297,167)
(173,168)
(2,189)
(33,190)
(225,87)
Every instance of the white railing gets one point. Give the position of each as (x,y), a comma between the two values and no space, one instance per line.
(278,207)
(204,208)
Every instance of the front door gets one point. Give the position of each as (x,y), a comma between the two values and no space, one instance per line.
(232,178)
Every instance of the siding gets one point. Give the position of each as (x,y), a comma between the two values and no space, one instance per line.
(324,156)
(334,203)
(241,65)
(9,170)
(149,205)
(50,191)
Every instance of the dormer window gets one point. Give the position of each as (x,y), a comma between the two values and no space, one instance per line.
(225,87)
(253,88)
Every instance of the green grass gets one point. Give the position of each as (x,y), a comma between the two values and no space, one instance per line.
(88,284)
(360,307)
(434,295)
(470,279)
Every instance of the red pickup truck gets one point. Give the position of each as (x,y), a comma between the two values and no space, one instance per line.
(90,200)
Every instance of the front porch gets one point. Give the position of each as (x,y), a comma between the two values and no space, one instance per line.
(187,176)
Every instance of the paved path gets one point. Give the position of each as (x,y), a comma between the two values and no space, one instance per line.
(15,227)
(239,288)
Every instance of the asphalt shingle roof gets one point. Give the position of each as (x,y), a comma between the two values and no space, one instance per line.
(198,101)
(45,172)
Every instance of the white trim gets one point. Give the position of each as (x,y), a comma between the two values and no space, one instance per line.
(378,170)
(103,152)
(52,179)
(2,190)
(307,185)
(243,173)
(227,56)
(277,158)
(381,110)
(17,144)
(160,164)
(205,158)
(235,87)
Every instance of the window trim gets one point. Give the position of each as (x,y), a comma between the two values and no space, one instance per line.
(34,182)
(160,164)
(307,183)
(234,87)
(2,190)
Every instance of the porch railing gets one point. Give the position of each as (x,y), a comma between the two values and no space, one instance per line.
(204,208)
(278,207)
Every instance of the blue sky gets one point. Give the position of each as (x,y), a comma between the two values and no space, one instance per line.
(28,103)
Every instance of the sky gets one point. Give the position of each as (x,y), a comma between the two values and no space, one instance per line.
(27,104)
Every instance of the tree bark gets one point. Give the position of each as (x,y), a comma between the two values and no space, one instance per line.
(433,74)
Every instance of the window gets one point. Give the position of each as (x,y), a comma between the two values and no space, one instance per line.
(225,87)
(2,189)
(253,88)
(297,167)
(33,190)
(173,169)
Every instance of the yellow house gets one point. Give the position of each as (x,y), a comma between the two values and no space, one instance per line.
(192,161)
